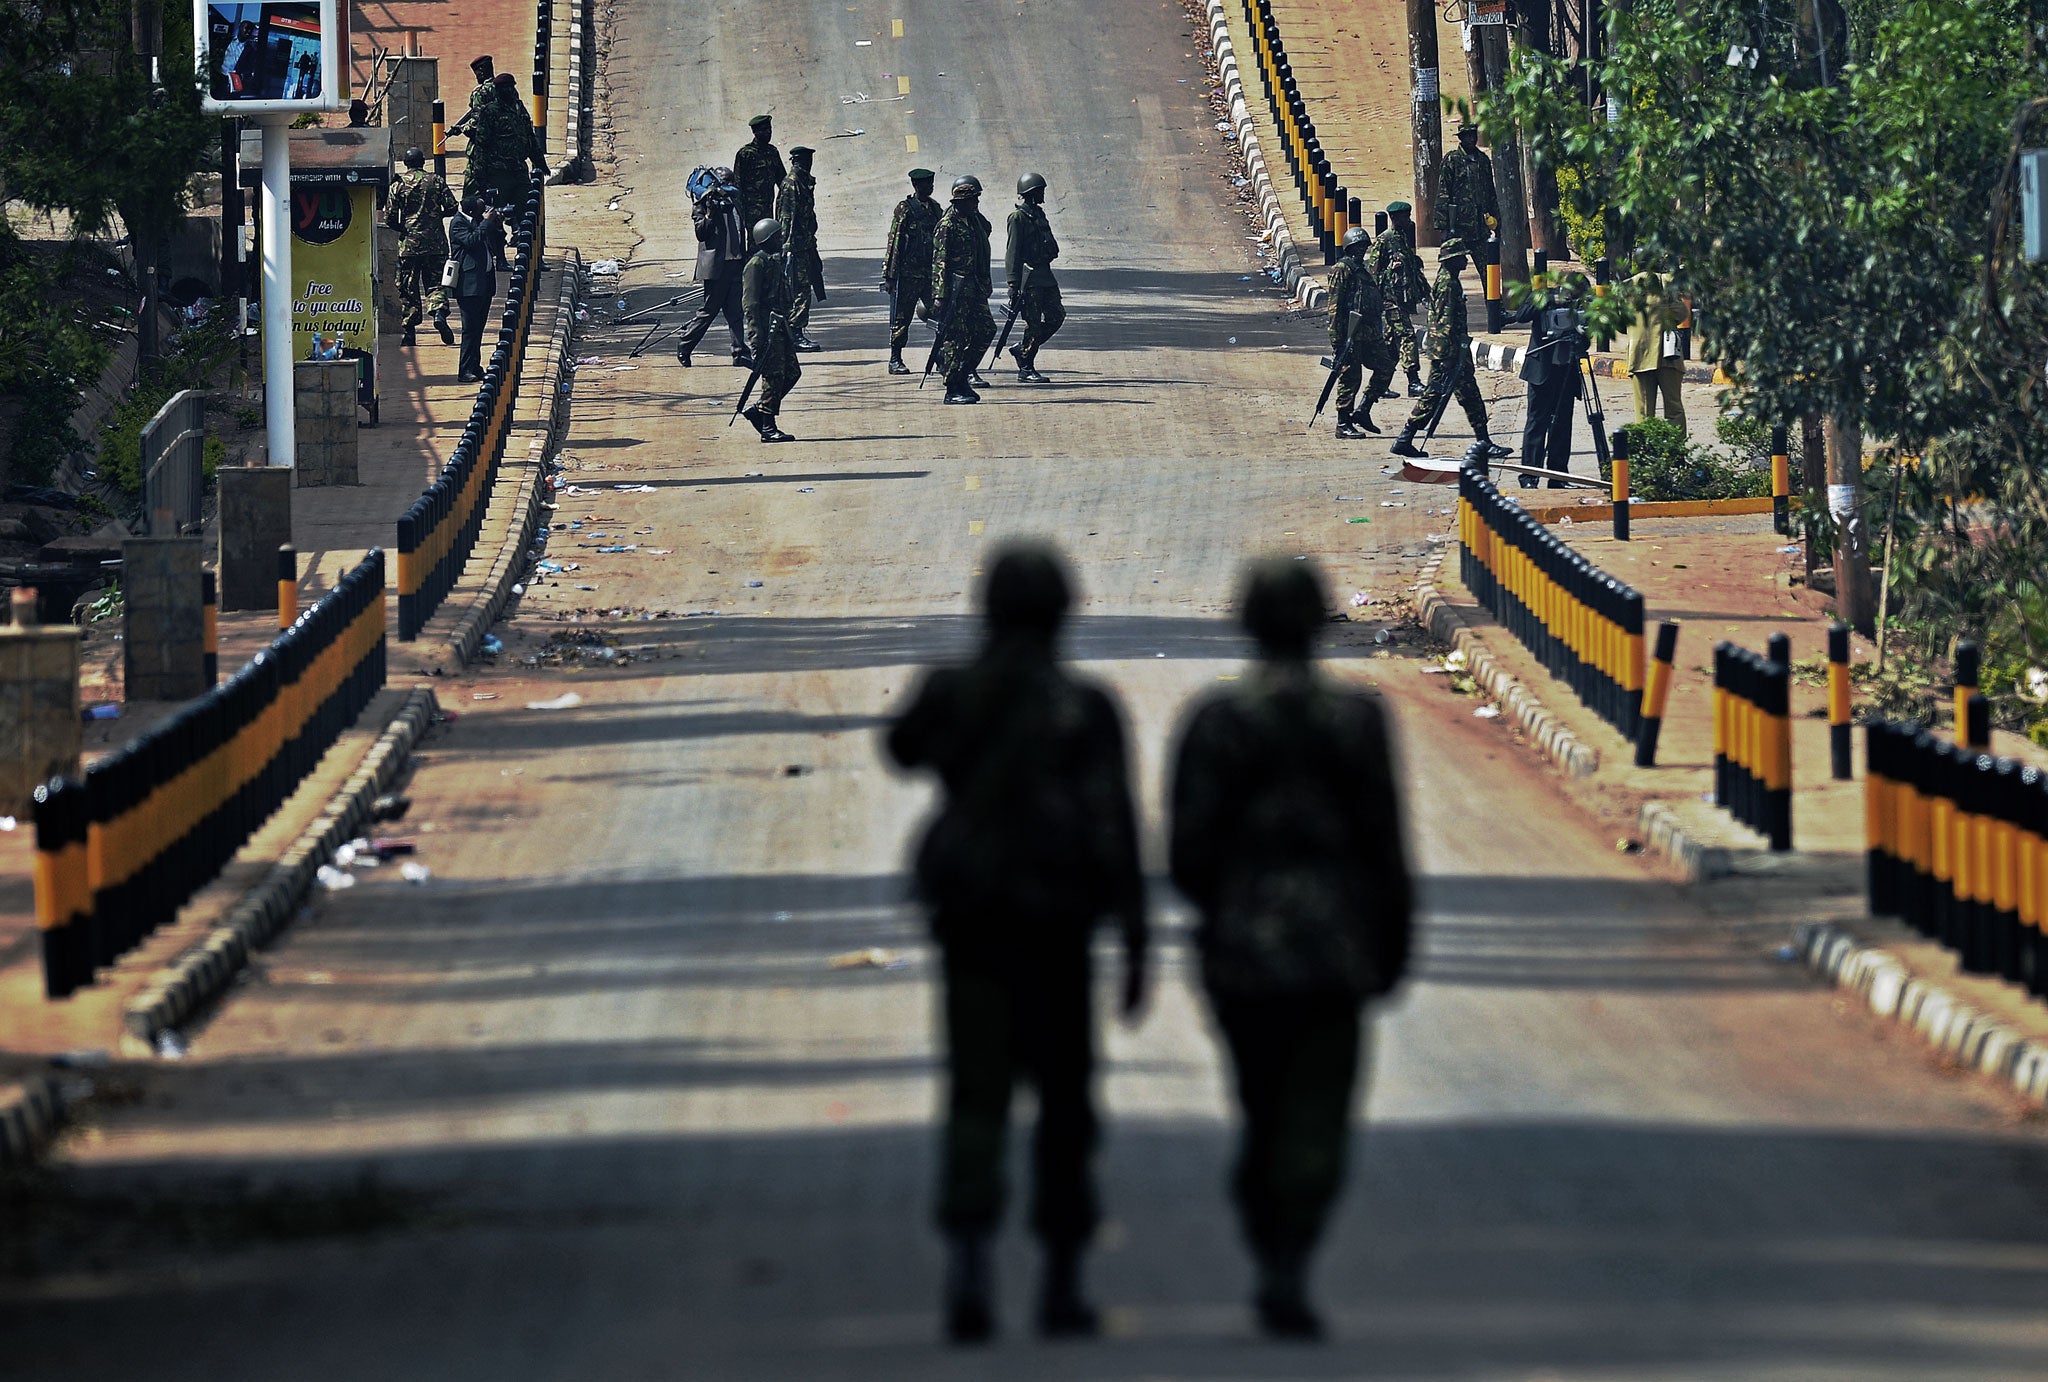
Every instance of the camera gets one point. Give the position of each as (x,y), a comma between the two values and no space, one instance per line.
(1563,321)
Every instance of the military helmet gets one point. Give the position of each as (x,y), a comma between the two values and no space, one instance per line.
(1451,245)
(1029,183)
(969,186)
(767,231)
(1356,236)
(414,158)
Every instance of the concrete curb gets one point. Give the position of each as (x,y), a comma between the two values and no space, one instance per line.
(1664,833)
(1957,1030)
(569,92)
(539,414)
(1489,355)
(1306,291)
(29,1117)
(200,975)
(1550,734)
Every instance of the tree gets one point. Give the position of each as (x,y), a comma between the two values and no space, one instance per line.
(1828,226)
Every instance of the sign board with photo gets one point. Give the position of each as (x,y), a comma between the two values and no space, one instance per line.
(272,57)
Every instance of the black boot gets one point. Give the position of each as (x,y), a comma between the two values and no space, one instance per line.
(1345,427)
(970,1311)
(974,378)
(1414,384)
(1063,1312)
(683,357)
(1027,367)
(806,344)
(441,325)
(1404,445)
(1282,1297)
(896,365)
(764,423)
(957,390)
(407,338)
(1493,448)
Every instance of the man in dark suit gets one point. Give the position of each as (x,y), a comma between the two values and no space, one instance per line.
(476,237)
(721,257)
(1551,369)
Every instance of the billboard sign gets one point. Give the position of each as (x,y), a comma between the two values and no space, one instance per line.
(282,57)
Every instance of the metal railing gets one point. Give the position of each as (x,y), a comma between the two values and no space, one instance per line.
(173,474)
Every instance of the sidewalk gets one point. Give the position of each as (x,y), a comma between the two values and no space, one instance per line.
(1729,578)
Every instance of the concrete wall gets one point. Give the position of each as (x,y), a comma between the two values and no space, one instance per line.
(324,402)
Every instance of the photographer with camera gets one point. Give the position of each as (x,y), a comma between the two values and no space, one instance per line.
(721,257)
(1552,367)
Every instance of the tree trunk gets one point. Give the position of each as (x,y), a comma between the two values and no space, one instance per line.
(1427,135)
(1508,191)
(1855,594)
(1813,474)
(1540,180)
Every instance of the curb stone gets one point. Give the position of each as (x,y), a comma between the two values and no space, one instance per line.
(194,979)
(1305,290)
(1951,1026)
(30,1114)
(1551,735)
(1666,834)
(566,53)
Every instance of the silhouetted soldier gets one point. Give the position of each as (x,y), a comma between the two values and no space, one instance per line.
(1034,844)
(1287,838)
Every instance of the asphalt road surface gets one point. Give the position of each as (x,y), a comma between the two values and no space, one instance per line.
(639,1083)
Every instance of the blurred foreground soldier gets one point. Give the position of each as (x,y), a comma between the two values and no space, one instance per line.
(1287,838)
(907,263)
(765,295)
(1357,336)
(757,171)
(1654,365)
(1034,844)
(476,239)
(1033,290)
(961,286)
(418,204)
(1397,268)
(796,207)
(1465,202)
(721,256)
(1450,359)
(502,146)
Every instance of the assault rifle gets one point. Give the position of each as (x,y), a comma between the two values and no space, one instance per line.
(1337,367)
(945,321)
(1016,306)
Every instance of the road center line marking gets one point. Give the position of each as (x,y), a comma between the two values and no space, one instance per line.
(910,143)
(903,86)
(895,28)
(974,527)
(973,482)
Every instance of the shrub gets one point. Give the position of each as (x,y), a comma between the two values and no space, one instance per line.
(1663,464)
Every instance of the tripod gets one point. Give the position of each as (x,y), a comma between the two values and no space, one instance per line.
(658,330)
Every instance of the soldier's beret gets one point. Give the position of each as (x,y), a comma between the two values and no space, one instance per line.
(922,175)
(759,120)
(1399,208)
(1467,127)
(479,64)
(506,79)
(803,149)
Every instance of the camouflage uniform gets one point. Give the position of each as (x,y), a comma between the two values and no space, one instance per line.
(1286,836)
(765,298)
(1450,355)
(419,202)
(1032,247)
(960,252)
(1464,199)
(1356,314)
(1397,268)
(757,170)
(1035,842)
(796,209)
(908,263)
(502,146)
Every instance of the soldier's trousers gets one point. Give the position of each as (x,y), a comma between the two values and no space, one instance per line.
(911,295)
(961,347)
(1026,1018)
(504,185)
(721,295)
(800,309)
(779,373)
(1368,354)
(1400,339)
(1040,309)
(1469,398)
(419,287)
(1296,1062)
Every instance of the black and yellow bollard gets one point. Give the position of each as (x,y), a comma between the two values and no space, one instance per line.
(63,896)
(440,138)
(209,627)
(1838,701)
(1969,661)
(1781,483)
(1656,694)
(1723,721)
(2006,861)
(1491,270)
(1881,852)
(1620,486)
(287,586)
(1776,745)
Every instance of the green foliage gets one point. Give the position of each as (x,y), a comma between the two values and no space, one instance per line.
(1586,233)
(46,354)
(120,457)
(213,456)
(1664,464)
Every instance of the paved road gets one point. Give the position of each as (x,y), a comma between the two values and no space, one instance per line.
(596,1101)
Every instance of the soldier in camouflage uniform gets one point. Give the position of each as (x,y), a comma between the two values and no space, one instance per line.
(1358,320)
(418,204)
(757,171)
(502,145)
(796,208)
(907,263)
(1034,845)
(1397,268)
(1286,836)
(482,94)
(961,286)
(765,294)
(1034,292)
(1465,202)
(1450,357)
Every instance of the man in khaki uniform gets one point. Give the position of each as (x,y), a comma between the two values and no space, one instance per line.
(1654,366)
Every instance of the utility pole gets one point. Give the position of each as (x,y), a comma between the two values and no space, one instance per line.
(1427,137)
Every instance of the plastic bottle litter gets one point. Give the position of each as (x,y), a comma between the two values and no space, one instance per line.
(334,879)
(561,702)
(103,712)
(1486,712)
(390,807)
(493,645)
(414,873)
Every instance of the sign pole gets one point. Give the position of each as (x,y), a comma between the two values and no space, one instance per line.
(279,422)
